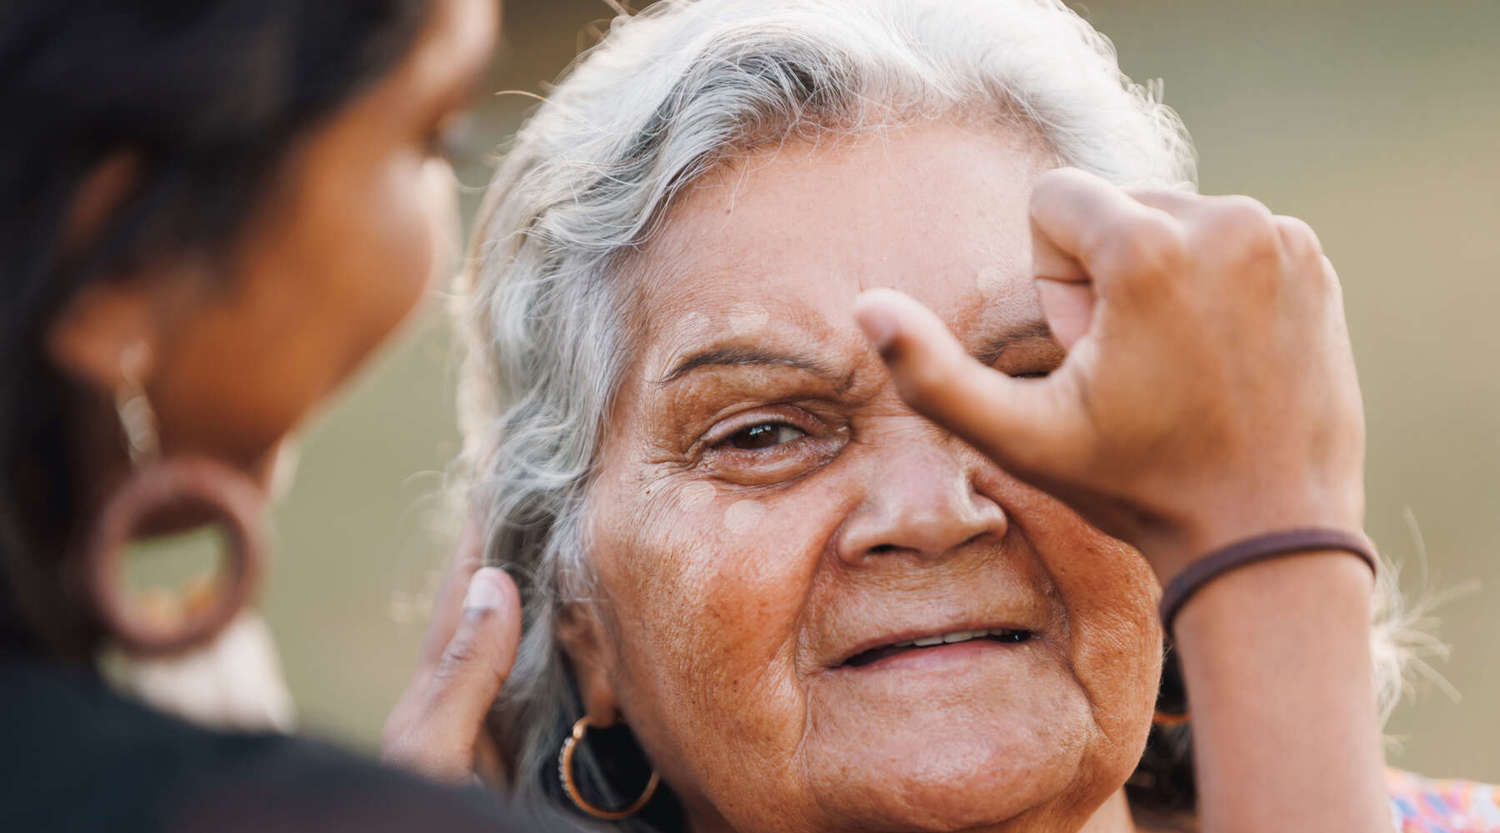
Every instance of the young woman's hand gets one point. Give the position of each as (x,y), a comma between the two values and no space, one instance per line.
(1209,391)
(1208,395)
(438,727)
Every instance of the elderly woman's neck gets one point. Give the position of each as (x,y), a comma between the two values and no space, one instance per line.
(1116,816)
(1113,816)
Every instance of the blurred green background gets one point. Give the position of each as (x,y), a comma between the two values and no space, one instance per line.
(1376,121)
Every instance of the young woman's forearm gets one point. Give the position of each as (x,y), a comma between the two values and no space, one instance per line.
(1276,657)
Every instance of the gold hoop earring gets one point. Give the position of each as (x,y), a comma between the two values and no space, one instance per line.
(1169,720)
(159,491)
(565,772)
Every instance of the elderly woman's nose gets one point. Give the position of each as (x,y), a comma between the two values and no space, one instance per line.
(919,498)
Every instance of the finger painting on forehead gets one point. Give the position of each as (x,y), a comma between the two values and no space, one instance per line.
(748,319)
(696,325)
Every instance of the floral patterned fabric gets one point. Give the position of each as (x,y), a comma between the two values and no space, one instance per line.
(1422,805)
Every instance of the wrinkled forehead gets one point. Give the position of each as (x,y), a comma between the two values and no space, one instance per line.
(774,246)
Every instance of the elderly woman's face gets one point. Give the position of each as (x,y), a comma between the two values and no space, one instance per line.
(818,610)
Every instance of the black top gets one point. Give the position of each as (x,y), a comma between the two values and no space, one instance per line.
(76,756)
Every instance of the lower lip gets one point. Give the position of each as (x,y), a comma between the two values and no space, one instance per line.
(938,657)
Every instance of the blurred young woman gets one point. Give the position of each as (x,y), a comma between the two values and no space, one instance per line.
(211,213)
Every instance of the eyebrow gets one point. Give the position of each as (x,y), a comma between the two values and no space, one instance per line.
(987,355)
(992,349)
(745,357)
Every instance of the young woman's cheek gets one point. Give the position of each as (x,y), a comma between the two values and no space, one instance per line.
(414,243)
(438,196)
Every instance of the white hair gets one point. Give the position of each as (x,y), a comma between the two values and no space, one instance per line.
(666,95)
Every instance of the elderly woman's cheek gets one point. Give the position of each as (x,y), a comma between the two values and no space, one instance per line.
(707,609)
(1110,594)
(716,588)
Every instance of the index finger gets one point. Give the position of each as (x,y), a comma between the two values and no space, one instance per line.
(448,607)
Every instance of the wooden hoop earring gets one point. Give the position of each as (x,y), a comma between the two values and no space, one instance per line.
(191,487)
(565,772)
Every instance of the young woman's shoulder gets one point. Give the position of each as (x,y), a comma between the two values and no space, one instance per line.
(1426,805)
(81,758)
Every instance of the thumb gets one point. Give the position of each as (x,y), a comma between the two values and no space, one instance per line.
(478,658)
(443,725)
(1069,308)
(1017,422)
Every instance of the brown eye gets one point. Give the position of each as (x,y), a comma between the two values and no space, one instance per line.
(765,435)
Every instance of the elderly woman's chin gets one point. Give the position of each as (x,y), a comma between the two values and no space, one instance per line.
(1010,737)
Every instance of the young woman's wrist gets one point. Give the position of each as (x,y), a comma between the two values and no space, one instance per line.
(1176,545)
(1331,588)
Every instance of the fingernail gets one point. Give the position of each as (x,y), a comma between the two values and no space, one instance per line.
(483,594)
(878,327)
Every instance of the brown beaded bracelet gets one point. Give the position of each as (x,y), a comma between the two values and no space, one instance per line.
(1259,548)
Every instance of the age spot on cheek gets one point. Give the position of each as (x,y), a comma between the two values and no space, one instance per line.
(748,319)
(744,516)
(696,495)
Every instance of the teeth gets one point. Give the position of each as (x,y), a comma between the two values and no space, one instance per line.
(955,636)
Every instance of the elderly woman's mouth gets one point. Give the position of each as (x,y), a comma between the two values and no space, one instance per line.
(966,641)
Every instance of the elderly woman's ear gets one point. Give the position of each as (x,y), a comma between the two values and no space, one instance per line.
(585,640)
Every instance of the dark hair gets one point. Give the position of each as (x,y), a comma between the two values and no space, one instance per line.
(1163,789)
(203,98)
